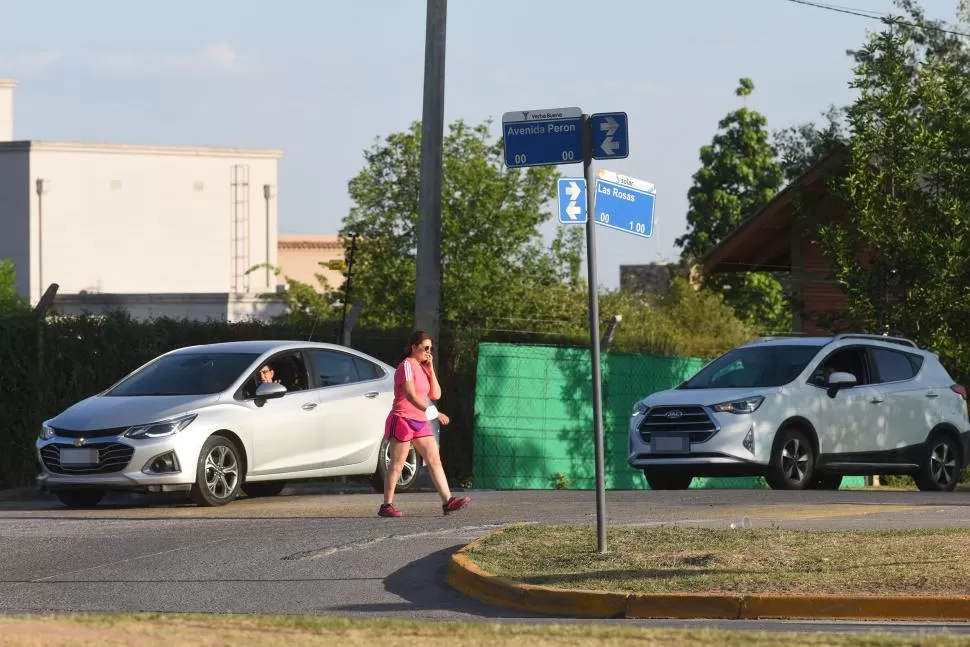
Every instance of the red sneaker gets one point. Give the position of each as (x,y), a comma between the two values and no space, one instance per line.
(454,504)
(388,510)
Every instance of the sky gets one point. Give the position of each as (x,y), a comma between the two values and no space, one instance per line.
(323,80)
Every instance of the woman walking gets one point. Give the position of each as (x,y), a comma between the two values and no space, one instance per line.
(408,423)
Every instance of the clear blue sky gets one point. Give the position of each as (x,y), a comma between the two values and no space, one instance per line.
(321,80)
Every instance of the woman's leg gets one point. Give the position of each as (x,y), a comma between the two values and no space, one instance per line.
(428,448)
(399,453)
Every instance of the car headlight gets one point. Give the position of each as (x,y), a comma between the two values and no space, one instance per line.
(747,405)
(46,433)
(159,429)
(639,409)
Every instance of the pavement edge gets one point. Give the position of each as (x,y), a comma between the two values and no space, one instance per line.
(468,578)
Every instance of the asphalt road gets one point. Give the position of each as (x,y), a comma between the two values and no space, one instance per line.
(314,550)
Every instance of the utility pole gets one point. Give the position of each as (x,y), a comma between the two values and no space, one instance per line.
(427,293)
(347,288)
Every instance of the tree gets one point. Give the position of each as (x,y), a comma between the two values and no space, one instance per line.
(10,301)
(495,264)
(739,174)
(902,253)
(802,146)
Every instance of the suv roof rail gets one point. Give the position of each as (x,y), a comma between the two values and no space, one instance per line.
(886,338)
(780,335)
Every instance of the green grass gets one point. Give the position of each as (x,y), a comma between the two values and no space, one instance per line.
(134,630)
(745,560)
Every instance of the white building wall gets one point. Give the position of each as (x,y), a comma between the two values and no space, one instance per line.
(146,219)
(14,210)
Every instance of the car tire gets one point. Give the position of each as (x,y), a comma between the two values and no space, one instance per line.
(409,475)
(667,479)
(939,470)
(217,473)
(80,498)
(792,465)
(263,488)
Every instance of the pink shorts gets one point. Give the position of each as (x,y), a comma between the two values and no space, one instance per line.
(404,429)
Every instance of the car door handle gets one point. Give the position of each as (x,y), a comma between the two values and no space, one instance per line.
(876,400)
(309,406)
(371,394)
(932,395)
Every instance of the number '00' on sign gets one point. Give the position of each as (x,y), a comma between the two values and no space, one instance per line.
(604,217)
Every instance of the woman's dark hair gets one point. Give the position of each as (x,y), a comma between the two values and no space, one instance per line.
(416,338)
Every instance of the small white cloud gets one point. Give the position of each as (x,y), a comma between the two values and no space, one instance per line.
(220,55)
(23,63)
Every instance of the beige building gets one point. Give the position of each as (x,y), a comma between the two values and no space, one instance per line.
(160,230)
(303,256)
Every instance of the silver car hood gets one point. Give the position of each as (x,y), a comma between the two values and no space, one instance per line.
(102,412)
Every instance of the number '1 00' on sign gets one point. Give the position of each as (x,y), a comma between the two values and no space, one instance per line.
(625,203)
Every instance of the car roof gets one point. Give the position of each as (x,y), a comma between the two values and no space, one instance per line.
(261,346)
(883,341)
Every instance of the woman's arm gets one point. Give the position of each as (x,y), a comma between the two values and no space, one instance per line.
(435,393)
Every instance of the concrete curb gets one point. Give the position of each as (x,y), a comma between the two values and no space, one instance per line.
(466,577)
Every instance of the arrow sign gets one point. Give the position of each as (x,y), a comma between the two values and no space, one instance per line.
(610,146)
(572,200)
(573,190)
(609,126)
(611,136)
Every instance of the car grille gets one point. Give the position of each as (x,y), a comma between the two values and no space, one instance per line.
(693,421)
(112,457)
(94,433)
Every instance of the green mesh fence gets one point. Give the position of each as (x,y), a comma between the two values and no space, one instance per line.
(534,417)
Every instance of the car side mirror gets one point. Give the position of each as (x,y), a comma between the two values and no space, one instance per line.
(270,391)
(839,380)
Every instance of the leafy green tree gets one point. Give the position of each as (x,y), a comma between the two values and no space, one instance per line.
(802,146)
(739,174)
(495,263)
(902,254)
(10,301)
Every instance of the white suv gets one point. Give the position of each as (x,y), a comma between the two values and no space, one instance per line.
(804,412)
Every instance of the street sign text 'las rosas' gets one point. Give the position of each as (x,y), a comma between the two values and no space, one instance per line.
(625,203)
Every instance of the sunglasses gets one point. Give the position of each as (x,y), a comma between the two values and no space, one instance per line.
(427,349)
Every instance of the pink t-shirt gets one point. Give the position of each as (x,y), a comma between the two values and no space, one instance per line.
(410,371)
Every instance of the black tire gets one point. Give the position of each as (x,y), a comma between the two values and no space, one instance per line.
(939,470)
(217,480)
(409,475)
(80,498)
(263,488)
(667,479)
(792,464)
(826,482)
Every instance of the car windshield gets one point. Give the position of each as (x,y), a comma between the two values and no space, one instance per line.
(198,373)
(753,367)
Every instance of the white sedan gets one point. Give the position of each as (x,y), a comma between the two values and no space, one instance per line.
(216,419)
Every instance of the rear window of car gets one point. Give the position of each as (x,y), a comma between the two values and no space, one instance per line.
(753,367)
(186,374)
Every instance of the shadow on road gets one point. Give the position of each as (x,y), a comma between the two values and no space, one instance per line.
(422,588)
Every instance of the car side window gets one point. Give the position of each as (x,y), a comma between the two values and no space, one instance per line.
(368,370)
(288,369)
(892,366)
(845,360)
(334,368)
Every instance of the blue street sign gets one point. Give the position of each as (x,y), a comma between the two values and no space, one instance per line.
(543,137)
(611,137)
(572,200)
(625,203)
